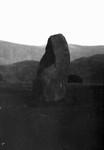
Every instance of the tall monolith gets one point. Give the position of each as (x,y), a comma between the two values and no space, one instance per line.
(53,70)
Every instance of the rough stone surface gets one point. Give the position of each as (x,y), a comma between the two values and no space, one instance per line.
(53,70)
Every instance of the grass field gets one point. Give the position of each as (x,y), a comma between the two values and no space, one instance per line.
(75,123)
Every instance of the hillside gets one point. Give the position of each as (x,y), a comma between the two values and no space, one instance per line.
(24,71)
(91,69)
(11,52)
(78,51)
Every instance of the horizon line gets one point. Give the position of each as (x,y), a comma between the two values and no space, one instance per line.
(43,45)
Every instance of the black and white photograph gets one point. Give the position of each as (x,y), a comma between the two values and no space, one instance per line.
(51,74)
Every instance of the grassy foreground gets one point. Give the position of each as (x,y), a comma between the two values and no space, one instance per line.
(75,123)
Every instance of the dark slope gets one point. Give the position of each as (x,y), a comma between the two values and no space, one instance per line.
(91,69)
(19,72)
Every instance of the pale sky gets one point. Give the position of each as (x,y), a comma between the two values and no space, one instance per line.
(33,21)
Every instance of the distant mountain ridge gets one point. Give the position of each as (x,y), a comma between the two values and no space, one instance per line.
(12,52)
(78,51)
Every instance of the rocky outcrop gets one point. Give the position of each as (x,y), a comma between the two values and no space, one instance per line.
(53,70)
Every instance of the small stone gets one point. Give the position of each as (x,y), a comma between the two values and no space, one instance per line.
(3,144)
(74,79)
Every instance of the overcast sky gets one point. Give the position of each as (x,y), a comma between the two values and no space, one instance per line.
(33,21)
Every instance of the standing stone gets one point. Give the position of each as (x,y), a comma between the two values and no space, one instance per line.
(53,70)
